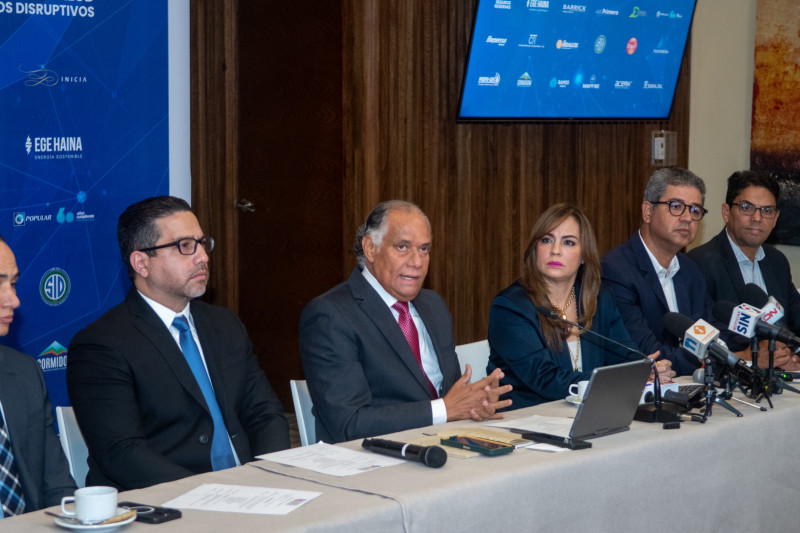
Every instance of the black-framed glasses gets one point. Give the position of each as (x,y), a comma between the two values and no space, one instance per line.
(748,209)
(677,207)
(187,245)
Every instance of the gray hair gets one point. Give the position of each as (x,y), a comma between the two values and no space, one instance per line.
(679,177)
(376,226)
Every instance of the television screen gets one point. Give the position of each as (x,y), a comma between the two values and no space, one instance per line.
(597,59)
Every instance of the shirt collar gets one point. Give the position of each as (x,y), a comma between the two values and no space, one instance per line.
(741,257)
(166,314)
(663,273)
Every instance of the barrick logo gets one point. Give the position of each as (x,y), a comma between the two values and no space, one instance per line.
(573,8)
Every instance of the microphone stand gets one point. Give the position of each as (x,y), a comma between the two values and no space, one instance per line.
(656,411)
(773,380)
(758,389)
(711,392)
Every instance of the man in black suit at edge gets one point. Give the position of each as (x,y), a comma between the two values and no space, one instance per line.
(738,255)
(378,349)
(38,462)
(165,386)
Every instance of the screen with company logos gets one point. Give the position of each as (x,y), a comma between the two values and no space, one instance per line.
(598,59)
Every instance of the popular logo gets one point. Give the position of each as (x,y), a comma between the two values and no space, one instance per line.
(54,287)
(19,219)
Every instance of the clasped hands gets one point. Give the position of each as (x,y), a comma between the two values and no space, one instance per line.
(664,367)
(477,400)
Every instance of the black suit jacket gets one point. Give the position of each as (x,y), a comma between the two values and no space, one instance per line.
(361,372)
(629,273)
(43,468)
(140,409)
(724,277)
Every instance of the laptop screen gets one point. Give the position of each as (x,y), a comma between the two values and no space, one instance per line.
(611,399)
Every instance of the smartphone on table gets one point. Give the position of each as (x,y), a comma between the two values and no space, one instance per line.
(152,514)
(477,444)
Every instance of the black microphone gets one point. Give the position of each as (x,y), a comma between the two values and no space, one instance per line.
(549,313)
(678,325)
(724,309)
(655,412)
(769,329)
(433,456)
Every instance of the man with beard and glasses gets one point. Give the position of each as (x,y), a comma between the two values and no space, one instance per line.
(738,255)
(165,386)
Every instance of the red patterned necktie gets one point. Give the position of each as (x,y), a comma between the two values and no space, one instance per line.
(412,337)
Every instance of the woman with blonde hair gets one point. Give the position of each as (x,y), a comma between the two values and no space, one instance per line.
(542,356)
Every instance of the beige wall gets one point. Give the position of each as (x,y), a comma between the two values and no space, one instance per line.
(723,37)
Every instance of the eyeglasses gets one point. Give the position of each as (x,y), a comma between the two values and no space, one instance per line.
(748,209)
(187,245)
(677,207)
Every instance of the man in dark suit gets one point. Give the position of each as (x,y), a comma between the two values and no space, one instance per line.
(41,468)
(738,255)
(648,274)
(164,386)
(378,349)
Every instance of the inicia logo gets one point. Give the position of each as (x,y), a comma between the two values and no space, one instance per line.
(54,286)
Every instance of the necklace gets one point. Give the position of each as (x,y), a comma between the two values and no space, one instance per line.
(562,312)
(576,354)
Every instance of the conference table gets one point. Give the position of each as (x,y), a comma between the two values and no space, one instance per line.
(729,474)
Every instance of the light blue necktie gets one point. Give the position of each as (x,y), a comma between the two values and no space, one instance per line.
(11,496)
(221,453)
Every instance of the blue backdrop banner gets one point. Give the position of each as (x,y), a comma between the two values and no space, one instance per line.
(84,133)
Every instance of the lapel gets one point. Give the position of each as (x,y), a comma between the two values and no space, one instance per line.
(153,329)
(648,272)
(12,397)
(379,314)
(730,262)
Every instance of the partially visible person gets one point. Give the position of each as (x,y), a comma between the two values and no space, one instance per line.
(738,256)
(378,350)
(35,474)
(650,276)
(539,356)
(165,386)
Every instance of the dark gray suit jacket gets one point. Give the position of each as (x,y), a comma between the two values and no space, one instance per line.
(362,375)
(43,468)
(724,277)
(140,409)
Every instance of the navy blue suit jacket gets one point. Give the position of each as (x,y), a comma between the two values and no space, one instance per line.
(43,468)
(724,277)
(538,374)
(629,273)
(362,375)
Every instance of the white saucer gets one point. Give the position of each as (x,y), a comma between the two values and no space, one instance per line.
(573,399)
(96,528)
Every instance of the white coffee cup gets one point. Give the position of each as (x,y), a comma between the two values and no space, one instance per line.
(579,389)
(92,503)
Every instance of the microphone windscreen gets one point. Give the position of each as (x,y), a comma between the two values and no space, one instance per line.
(546,311)
(435,456)
(699,376)
(676,323)
(723,310)
(753,294)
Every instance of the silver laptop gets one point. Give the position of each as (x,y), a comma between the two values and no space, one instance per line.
(611,399)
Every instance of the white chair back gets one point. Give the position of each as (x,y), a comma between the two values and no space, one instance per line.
(477,355)
(302,409)
(73,444)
